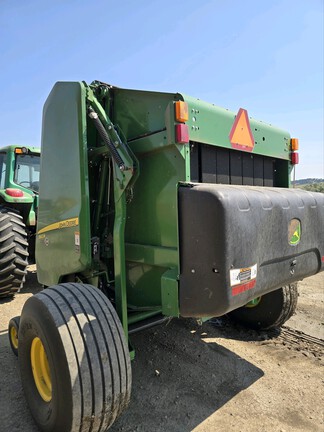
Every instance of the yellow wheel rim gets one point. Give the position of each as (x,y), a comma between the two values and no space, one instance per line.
(41,370)
(14,337)
(253,303)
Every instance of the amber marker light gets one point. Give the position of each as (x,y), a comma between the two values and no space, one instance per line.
(181,111)
(294,144)
(21,150)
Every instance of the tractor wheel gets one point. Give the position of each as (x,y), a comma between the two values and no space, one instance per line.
(13,252)
(271,310)
(13,334)
(74,360)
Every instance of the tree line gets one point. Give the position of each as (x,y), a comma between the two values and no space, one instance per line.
(313,187)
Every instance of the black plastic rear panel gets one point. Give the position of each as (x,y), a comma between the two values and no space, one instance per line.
(235,243)
(212,164)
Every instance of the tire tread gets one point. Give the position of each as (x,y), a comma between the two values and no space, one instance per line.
(95,345)
(13,252)
(274,309)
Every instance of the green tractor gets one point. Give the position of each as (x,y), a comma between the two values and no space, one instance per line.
(19,186)
(152,206)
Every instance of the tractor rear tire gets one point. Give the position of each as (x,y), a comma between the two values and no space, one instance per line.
(271,311)
(13,252)
(74,359)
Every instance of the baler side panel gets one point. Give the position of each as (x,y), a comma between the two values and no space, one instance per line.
(63,231)
(151,228)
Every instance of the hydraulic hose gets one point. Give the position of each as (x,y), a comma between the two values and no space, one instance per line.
(105,137)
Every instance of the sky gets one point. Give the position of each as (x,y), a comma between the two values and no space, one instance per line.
(263,55)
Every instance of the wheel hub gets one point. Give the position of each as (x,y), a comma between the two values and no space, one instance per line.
(14,337)
(253,303)
(41,370)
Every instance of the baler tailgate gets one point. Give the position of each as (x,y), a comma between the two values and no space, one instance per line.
(239,242)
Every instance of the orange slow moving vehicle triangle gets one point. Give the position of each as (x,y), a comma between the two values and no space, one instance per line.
(241,136)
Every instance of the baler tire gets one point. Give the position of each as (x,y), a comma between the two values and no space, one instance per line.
(13,329)
(13,252)
(87,354)
(272,311)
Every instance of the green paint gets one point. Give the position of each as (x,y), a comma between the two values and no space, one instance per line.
(253,302)
(211,125)
(136,317)
(64,191)
(119,260)
(170,293)
(152,255)
(15,169)
(295,238)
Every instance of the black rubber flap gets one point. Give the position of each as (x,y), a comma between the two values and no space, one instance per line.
(240,242)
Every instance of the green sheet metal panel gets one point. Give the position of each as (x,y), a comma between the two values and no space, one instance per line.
(151,228)
(140,113)
(63,243)
(212,125)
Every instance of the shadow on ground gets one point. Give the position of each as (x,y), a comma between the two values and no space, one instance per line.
(229,329)
(179,380)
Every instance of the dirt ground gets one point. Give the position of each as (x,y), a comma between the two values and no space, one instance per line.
(214,377)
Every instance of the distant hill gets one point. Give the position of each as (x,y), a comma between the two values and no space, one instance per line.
(310,184)
(308,181)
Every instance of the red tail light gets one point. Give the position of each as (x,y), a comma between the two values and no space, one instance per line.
(182,133)
(14,192)
(294,158)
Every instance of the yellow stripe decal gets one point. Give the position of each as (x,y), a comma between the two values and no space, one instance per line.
(67,223)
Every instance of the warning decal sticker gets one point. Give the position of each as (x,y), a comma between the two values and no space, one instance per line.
(243,279)
(77,241)
(241,136)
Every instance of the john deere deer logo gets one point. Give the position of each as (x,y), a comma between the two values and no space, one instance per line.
(294,232)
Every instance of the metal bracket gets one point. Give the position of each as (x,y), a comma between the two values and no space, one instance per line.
(125,173)
(125,163)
